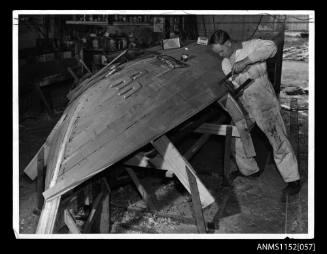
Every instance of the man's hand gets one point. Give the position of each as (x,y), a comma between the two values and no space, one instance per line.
(239,66)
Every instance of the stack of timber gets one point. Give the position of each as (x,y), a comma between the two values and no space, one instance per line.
(115,115)
(298,53)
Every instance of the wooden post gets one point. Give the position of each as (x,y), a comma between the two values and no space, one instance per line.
(227,152)
(146,197)
(94,212)
(40,179)
(105,217)
(294,126)
(196,202)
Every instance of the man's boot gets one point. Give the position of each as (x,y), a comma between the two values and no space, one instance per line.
(292,188)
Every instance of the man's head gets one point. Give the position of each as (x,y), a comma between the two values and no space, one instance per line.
(221,43)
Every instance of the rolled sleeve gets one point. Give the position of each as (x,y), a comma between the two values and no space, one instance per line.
(261,50)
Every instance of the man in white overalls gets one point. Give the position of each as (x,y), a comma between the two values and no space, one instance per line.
(247,60)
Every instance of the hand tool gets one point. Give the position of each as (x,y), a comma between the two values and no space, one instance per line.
(238,91)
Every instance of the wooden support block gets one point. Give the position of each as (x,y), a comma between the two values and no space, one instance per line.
(227,153)
(216,129)
(40,178)
(70,223)
(176,163)
(144,194)
(196,202)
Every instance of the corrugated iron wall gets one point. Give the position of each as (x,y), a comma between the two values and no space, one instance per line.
(297,23)
(239,27)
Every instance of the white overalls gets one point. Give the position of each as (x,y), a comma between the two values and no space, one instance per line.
(262,105)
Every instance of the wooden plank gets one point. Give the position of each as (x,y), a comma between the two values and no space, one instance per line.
(196,146)
(105,216)
(216,129)
(196,202)
(94,212)
(85,66)
(40,179)
(227,154)
(31,169)
(177,164)
(140,160)
(48,216)
(73,74)
(144,194)
(294,126)
(70,223)
(44,100)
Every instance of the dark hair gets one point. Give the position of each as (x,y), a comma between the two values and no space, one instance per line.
(219,36)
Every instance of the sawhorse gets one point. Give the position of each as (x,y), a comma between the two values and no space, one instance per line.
(169,158)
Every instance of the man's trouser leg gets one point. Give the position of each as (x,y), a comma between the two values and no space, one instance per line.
(247,166)
(271,123)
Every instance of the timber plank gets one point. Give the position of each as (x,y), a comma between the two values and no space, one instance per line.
(31,169)
(227,154)
(196,202)
(178,165)
(216,129)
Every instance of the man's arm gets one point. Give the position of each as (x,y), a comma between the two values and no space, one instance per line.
(259,50)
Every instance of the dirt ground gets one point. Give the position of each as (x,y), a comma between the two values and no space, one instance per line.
(251,205)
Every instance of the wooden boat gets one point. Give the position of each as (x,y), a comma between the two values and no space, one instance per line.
(112,114)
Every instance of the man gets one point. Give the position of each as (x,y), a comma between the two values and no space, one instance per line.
(246,60)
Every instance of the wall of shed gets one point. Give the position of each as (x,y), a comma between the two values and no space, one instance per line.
(297,23)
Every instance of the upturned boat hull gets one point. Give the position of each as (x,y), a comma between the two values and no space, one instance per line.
(124,111)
